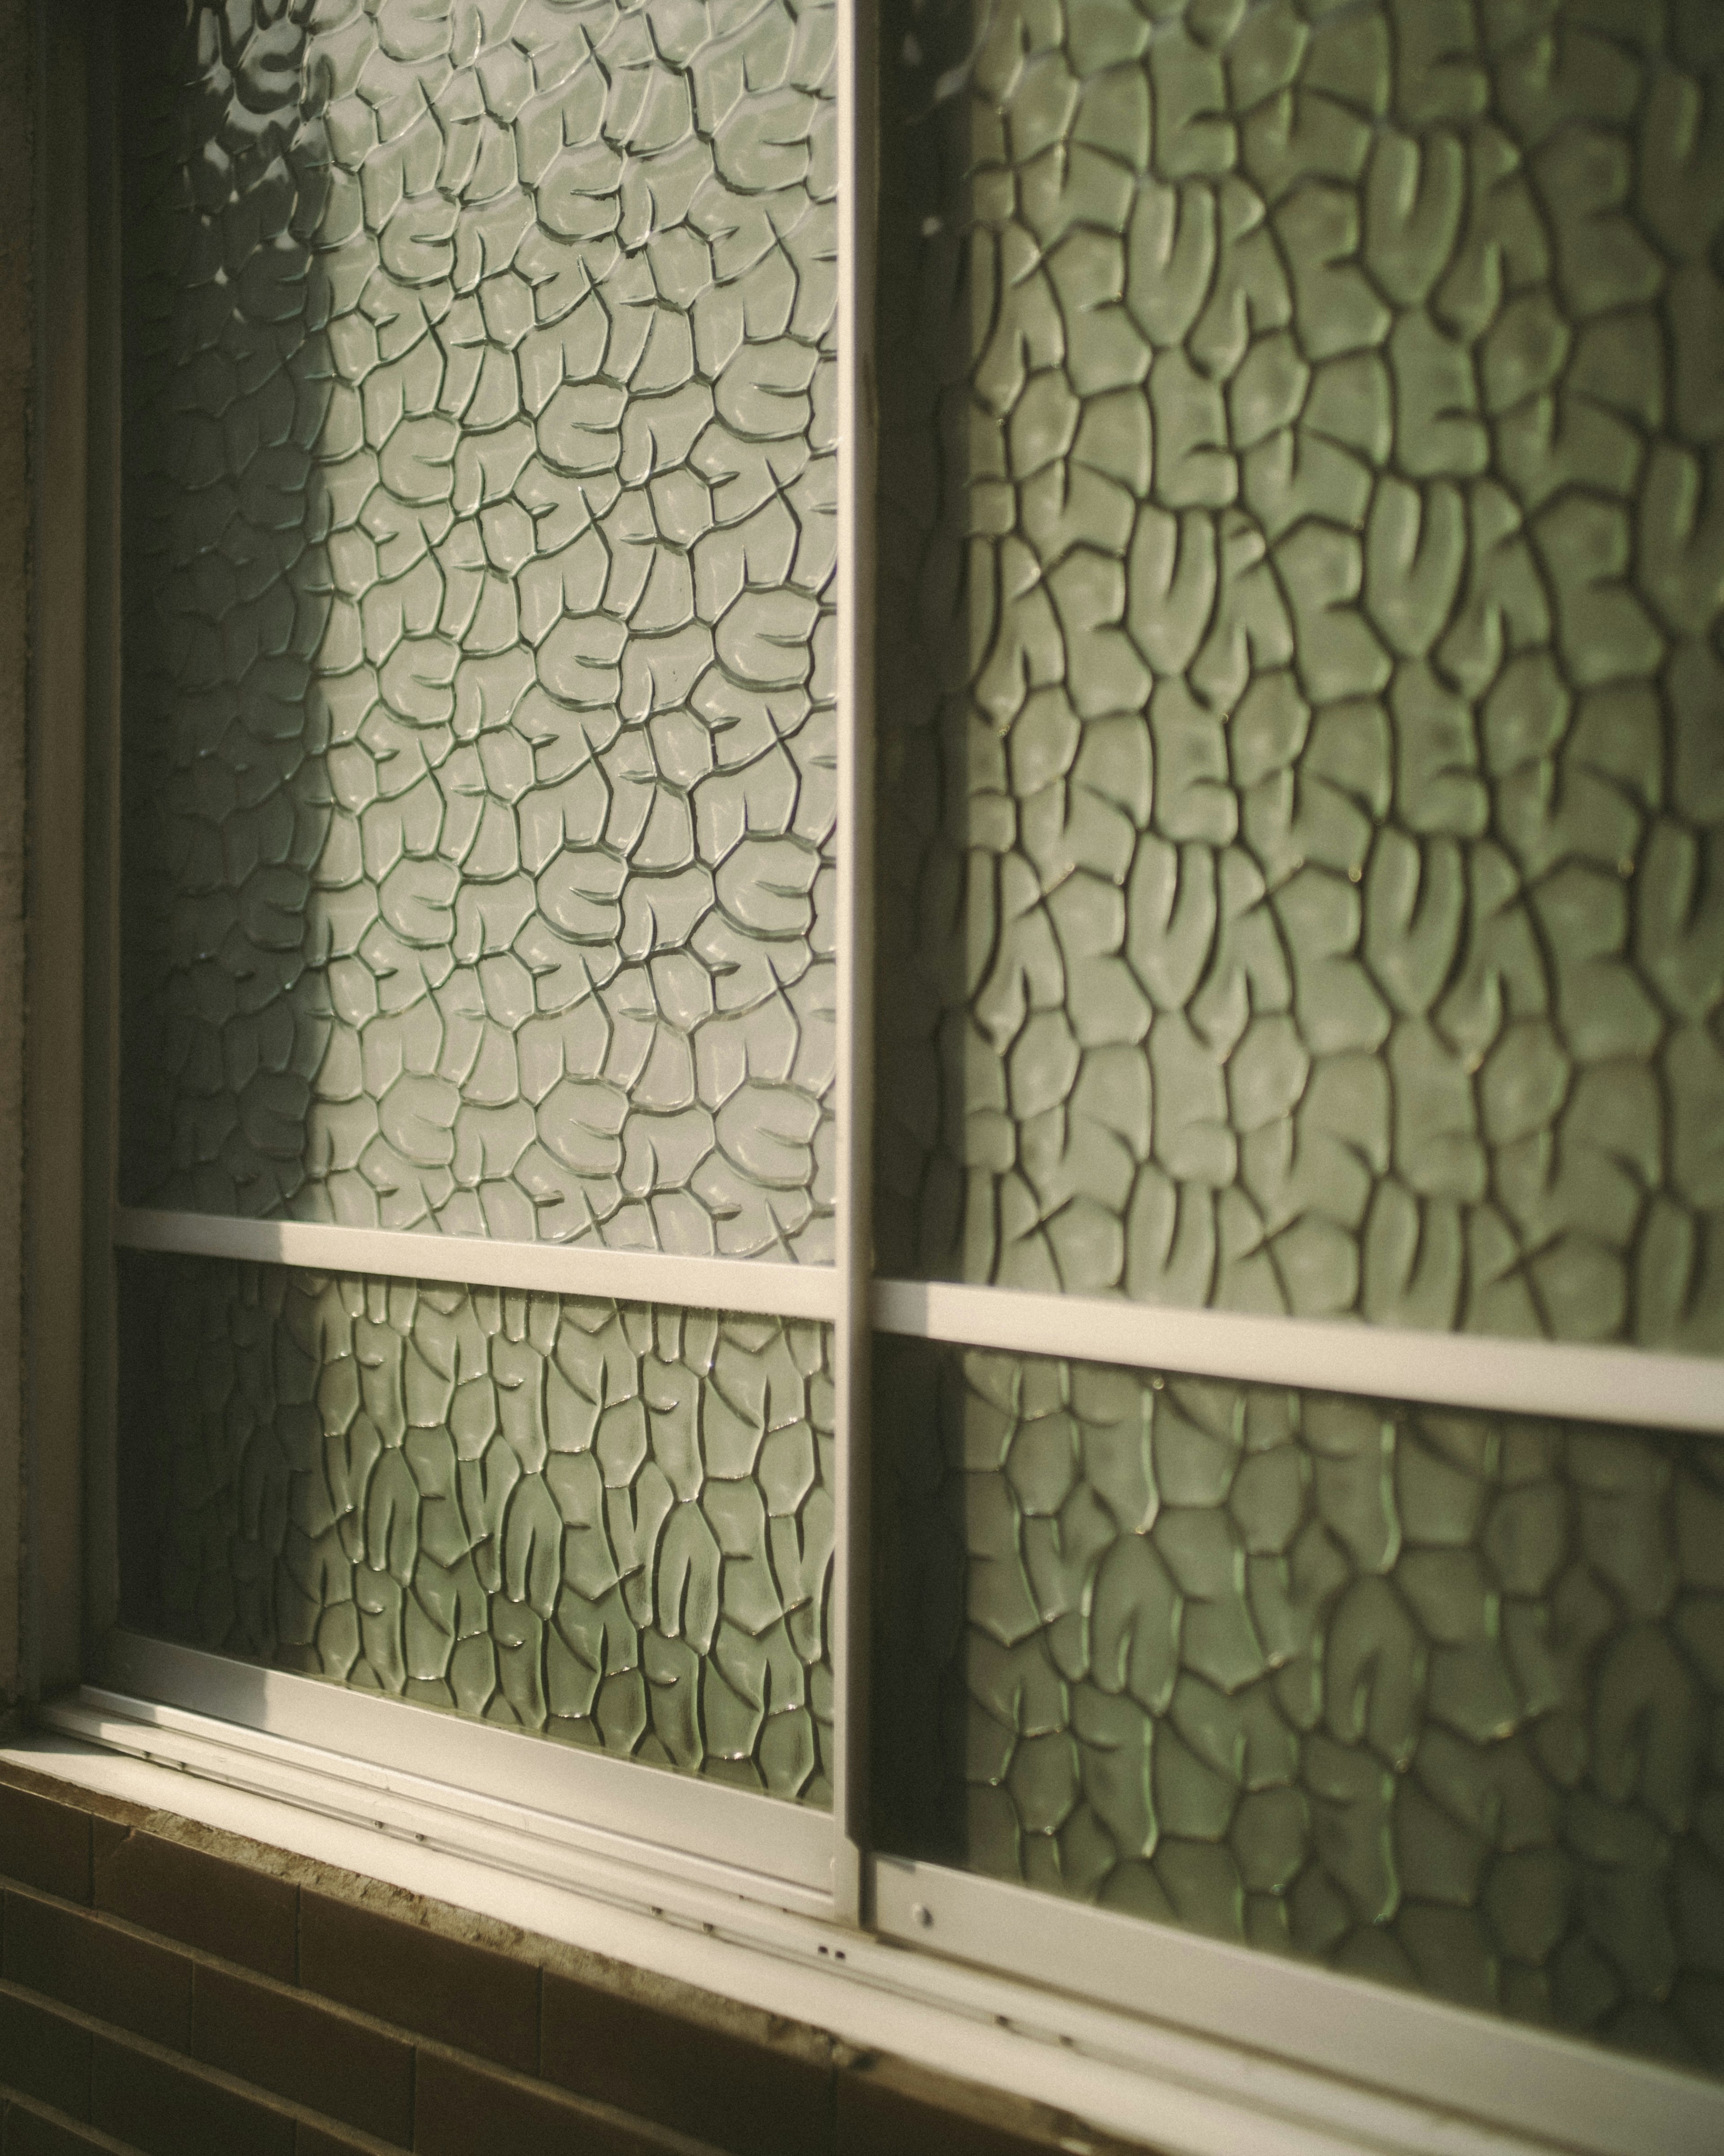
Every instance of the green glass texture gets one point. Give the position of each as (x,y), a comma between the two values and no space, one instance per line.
(1302,544)
(1436,1698)
(609,1525)
(478,726)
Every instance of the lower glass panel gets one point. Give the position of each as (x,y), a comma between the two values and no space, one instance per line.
(606,1523)
(1430,1697)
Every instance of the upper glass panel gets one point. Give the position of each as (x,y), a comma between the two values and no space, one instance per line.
(480,755)
(1302,795)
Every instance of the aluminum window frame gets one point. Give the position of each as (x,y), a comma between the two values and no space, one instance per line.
(672,1842)
(790,1853)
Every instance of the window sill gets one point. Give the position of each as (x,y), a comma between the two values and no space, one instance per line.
(1128,2075)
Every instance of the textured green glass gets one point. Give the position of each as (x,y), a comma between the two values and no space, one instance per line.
(607,1524)
(479,771)
(1436,1698)
(1302,546)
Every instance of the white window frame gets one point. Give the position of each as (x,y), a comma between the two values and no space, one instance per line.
(1173,2035)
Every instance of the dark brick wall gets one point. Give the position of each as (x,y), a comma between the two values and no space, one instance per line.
(169,1990)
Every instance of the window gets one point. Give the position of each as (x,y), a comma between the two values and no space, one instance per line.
(918,1067)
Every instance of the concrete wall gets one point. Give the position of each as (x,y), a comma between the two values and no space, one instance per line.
(17,325)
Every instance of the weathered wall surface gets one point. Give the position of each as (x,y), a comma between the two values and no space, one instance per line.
(16,322)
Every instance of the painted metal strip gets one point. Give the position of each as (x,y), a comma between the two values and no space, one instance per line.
(852,1345)
(1463,1370)
(437,1818)
(618,1805)
(1531,2081)
(691,1283)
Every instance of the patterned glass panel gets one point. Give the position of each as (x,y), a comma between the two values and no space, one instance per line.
(480,777)
(1436,1698)
(1302,547)
(610,1525)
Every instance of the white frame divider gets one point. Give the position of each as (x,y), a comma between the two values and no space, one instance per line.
(1445,1370)
(1534,2084)
(677,1824)
(650,1276)
(853,1087)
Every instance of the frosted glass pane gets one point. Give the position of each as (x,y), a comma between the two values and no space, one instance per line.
(1436,1698)
(480,750)
(606,1524)
(1303,813)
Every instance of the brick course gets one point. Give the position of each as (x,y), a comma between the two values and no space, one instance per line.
(106,1969)
(452,1990)
(168,1989)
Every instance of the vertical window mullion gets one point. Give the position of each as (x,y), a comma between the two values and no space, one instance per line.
(856,134)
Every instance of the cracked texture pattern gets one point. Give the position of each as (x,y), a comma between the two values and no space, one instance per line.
(1302,545)
(1437,1698)
(608,1524)
(479,781)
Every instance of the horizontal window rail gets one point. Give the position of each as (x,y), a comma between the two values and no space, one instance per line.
(763,1287)
(1518,2080)
(1447,1369)
(514,1781)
